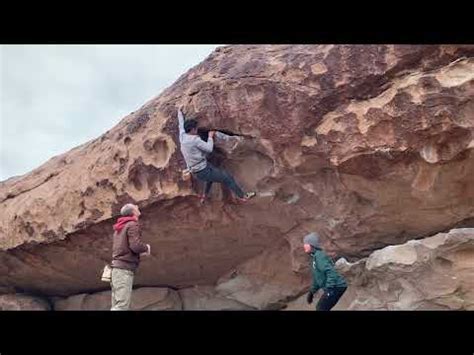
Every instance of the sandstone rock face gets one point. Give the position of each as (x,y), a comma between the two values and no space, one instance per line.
(369,145)
(264,282)
(435,273)
(19,302)
(205,298)
(145,298)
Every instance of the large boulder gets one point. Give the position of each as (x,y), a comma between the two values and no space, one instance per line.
(144,298)
(435,273)
(264,282)
(205,298)
(20,302)
(370,145)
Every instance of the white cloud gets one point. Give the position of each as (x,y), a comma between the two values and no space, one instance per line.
(55,97)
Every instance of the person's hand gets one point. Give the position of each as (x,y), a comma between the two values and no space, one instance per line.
(147,253)
(211,134)
(309,297)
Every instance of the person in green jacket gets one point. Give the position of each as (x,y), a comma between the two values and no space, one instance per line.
(325,276)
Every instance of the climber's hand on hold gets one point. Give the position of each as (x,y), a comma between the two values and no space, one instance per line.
(211,134)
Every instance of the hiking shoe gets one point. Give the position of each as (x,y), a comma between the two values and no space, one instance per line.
(247,196)
(250,194)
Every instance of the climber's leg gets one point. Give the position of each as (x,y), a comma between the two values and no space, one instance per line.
(212,174)
(228,180)
(207,190)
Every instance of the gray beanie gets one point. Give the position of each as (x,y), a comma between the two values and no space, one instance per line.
(312,239)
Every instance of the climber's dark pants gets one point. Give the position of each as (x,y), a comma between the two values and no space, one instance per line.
(211,174)
(329,298)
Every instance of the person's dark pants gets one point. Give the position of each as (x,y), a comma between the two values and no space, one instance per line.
(211,174)
(329,298)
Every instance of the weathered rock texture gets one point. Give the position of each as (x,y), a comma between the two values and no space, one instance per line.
(19,302)
(205,298)
(435,273)
(145,298)
(370,145)
(264,282)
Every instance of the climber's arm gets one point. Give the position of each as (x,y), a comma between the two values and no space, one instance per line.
(181,124)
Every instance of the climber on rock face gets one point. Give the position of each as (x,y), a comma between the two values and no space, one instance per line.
(325,276)
(127,249)
(195,152)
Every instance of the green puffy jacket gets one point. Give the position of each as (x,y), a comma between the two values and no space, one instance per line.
(324,274)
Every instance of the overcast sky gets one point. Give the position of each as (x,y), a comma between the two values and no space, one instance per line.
(55,97)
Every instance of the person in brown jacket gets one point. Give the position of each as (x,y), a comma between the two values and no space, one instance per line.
(127,249)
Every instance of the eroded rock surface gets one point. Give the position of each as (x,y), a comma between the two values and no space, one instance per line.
(145,298)
(20,302)
(369,145)
(435,273)
(205,298)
